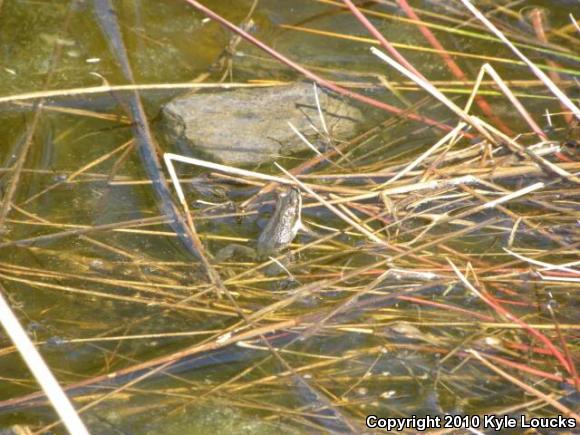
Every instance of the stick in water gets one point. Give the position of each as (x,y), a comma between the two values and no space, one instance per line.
(40,370)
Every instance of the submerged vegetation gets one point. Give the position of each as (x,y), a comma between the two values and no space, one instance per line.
(437,271)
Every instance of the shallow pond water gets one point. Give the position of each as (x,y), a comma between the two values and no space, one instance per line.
(102,283)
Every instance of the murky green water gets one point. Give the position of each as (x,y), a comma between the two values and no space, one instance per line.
(101,301)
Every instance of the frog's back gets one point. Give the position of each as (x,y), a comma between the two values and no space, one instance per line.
(283,224)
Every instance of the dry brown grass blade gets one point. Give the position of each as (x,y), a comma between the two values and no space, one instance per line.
(538,72)
(434,92)
(529,389)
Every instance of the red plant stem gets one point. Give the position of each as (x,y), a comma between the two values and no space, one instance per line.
(559,274)
(446,307)
(491,301)
(526,348)
(452,65)
(566,348)
(383,41)
(514,303)
(525,368)
(319,80)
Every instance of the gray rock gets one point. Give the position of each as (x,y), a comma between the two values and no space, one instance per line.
(250,125)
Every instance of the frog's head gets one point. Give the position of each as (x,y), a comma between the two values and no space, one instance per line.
(291,201)
(291,198)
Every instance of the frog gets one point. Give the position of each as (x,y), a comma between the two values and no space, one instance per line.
(279,232)
(283,225)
